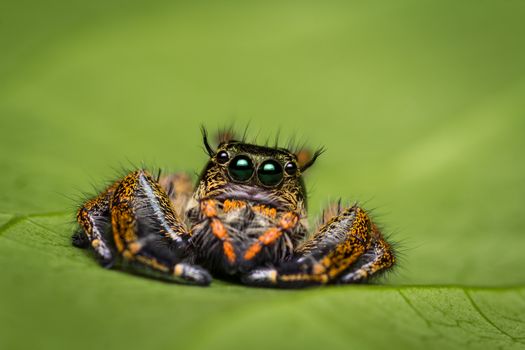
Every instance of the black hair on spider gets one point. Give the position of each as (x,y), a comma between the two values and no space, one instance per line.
(209,150)
(312,160)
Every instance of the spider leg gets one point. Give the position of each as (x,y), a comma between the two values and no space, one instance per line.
(93,218)
(335,248)
(287,222)
(208,208)
(378,258)
(147,232)
(134,218)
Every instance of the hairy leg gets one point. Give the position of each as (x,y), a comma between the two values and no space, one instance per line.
(208,208)
(286,223)
(342,243)
(377,259)
(146,232)
(93,218)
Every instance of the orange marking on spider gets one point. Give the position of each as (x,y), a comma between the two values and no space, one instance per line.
(208,208)
(229,252)
(288,220)
(218,230)
(266,238)
(230,205)
(270,236)
(264,210)
(252,251)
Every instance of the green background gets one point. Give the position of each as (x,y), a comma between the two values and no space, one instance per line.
(420,104)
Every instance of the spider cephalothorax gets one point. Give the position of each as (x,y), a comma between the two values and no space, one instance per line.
(247,217)
(245,171)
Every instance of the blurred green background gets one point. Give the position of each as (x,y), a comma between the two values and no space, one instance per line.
(420,104)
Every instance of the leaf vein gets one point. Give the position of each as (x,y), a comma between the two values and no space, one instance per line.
(488,320)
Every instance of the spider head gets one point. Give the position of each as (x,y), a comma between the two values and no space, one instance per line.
(239,170)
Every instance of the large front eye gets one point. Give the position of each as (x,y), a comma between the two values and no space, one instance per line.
(270,173)
(241,168)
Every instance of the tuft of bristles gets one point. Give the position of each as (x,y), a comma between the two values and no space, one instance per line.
(305,156)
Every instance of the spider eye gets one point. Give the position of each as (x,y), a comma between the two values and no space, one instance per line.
(270,173)
(241,168)
(290,168)
(222,157)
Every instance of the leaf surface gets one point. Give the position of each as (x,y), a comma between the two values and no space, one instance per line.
(419,104)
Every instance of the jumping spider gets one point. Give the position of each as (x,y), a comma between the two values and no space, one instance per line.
(245,219)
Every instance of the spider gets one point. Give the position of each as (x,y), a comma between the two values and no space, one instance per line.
(246,220)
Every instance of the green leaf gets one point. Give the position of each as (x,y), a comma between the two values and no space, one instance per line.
(419,104)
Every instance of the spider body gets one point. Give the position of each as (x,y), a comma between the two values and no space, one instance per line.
(246,209)
(246,218)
